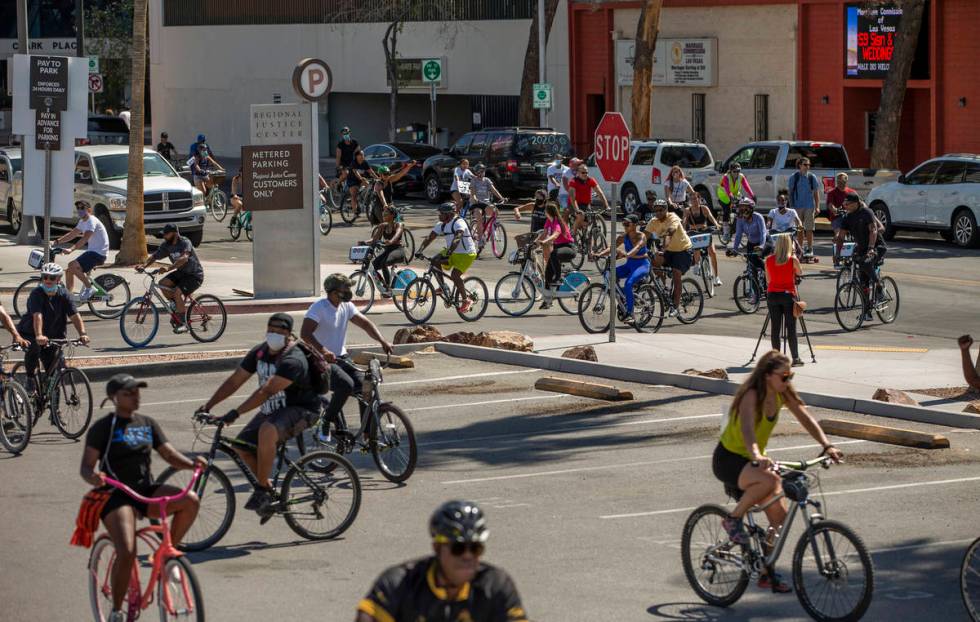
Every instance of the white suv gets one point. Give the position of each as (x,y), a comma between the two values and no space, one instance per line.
(942,194)
(650,162)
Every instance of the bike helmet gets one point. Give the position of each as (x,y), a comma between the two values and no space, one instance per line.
(336,281)
(447,208)
(201,138)
(480,168)
(382,170)
(458,521)
(540,195)
(746,201)
(659,203)
(52,269)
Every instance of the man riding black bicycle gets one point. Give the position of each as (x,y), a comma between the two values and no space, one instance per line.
(753,226)
(187,274)
(457,235)
(287,403)
(869,246)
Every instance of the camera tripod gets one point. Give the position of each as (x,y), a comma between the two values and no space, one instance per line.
(785,337)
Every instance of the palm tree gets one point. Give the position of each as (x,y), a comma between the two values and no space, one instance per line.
(646,41)
(133,248)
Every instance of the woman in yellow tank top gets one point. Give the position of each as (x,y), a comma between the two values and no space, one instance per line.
(740,460)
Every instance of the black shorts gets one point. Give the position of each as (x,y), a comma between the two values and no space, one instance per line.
(679,260)
(727,467)
(118,499)
(187,283)
(290,421)
(553,195)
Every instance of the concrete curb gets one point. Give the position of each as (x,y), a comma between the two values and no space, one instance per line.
(707,385)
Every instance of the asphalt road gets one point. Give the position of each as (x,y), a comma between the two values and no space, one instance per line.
(585,500)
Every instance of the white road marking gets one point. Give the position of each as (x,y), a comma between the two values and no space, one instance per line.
(510,505)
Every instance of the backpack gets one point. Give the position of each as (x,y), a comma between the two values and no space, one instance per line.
(318,367)
(810,177)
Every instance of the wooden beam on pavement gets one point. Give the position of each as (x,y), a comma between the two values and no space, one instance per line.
(882,434)
(396,362)
(583,389)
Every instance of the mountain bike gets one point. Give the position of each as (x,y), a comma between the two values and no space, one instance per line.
(491,231)
(366,280)
(216,200)
(517,291)
(386,432)
(317,503)
(853,302)
(592,239)
(691,301)
(16,413)
(970,580)
(64,391)
(179,595)
(204,315)
(242,221)
(593,314)
(419,299)
(832,571)
(110,297)
(749,289)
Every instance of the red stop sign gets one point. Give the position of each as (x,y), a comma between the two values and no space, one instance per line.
(612,146)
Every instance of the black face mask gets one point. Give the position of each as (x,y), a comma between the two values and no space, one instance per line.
(346,295)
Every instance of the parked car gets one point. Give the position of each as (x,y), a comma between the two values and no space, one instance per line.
(100,178)
(768,166)
(396,155)
(105,129)
(11,188)
(650,163)
(941,194)
(517,159)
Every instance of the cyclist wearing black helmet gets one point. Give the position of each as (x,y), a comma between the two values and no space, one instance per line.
(187,274)
(451,586)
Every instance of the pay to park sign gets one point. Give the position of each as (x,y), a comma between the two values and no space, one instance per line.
(272,177)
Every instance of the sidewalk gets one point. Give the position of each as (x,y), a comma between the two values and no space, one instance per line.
(851,373)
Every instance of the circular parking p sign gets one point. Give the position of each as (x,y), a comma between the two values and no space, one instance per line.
(312,79)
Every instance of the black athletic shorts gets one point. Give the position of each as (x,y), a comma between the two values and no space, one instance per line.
(727,466)
(118,499)
(187,283)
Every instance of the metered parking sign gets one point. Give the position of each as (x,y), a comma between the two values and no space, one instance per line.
(47,134)
(272,177)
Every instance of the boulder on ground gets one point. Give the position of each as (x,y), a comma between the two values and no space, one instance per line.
(893,396)
(503,340)
(719,374)
(463,337)
(418,334)
(973,407)
(582,353)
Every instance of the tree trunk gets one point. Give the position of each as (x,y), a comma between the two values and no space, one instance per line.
(528,115)
(888,125)
(390,44)
(646,43)
(133,248)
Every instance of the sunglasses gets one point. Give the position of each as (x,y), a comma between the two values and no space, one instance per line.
(458,548)
(787,376)
(50,279)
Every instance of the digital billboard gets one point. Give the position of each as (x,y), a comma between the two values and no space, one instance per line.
(870,31)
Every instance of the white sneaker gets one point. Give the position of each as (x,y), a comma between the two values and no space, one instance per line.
(85,294)
(672,313)
(116,616)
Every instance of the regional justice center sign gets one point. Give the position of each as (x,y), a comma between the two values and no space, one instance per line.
(272,177)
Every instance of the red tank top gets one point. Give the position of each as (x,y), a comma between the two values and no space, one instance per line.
(781,277)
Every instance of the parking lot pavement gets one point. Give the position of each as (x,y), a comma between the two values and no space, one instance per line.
(585,501)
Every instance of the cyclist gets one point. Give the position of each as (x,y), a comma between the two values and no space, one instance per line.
(740,459)
(645,210)
(753,226)
(359,172)
(784,219)
(632,245)
(698,218)
(452,585)
(49,309)
(166,148)
(325,329)
(235,198)
(482,193)
(7,322)
(285,398)
(454,230)
(344,153)
(835,212)
(678,190)
(201,140)
(118,446)
(91,233)
(804,188)
(200,165)
(187,274)
(461,173)
(384,185)
(580,201)
(555,173)
(730,190)
(869,246)
(389,233)
(564,193)
(558,247)
(537,208)
(677,247)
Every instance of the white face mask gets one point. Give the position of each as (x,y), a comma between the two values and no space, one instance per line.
(275,341)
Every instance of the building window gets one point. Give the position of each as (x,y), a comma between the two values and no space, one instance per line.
(697,117)
(761,117)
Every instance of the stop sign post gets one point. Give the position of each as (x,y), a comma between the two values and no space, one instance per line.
(612,156)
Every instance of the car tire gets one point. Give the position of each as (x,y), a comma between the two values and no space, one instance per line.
(964,230)
(631,199)
(881,212)
(433,190)
(196,237)
(14,218)
(115,238)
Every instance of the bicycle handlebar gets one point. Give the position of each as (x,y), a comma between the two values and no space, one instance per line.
(802,465)
(158,500)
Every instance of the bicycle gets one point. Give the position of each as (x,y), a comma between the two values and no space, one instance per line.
(517,291)
(366,280)
(64,391)
(592,239)
(16,415)
(829,562)
(308,494)
(749,289)
(970,580)
(690,302)
(365,198)
(215,199)
(593,314)
(242,221)
(204,315)
(110,297)
(700,242)
(492,230)
(853,305)
(325,221)
(179,593)
(418,301)
(386,432)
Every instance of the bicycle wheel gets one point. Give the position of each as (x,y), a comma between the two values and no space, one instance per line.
(179,595)
(347,212)
(334,194)
(235,227)
(419,301)
(580,252)
(16,416)
(408,241)
(139,322)
(402,278)
(832,572)
(598,243)
(71,402)
(321,505)
(849,306)
(21,294)
(216,512)
(326,220)
(593,313)
(707,276)
(362,286)
(746,294)
(206,318)
(712,562)
(843,276)
(515,294)
(219,204)
(499,240)
(248,229)
(970,580)
(111,305)
(100,562)
(692,302)
(648,309)
(395,452)
(887,305)
(476,292)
